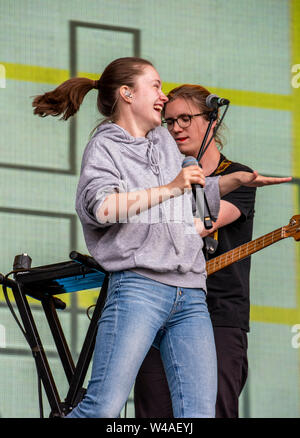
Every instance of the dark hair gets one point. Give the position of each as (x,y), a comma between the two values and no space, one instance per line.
(198,95)
(66,99)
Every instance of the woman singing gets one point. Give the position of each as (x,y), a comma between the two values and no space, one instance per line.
(135,204)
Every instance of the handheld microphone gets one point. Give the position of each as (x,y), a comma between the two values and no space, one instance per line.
(213,101)
(203,210)
(189,161)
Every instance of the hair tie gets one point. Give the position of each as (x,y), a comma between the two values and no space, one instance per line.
(96,84)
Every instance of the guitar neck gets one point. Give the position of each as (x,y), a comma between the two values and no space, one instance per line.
(243,251)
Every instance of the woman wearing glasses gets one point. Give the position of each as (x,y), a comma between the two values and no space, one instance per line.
(130,191)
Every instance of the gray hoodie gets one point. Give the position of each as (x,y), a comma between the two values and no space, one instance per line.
(160,243)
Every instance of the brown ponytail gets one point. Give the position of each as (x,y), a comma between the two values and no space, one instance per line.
(65,99)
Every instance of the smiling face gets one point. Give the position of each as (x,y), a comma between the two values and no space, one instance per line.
(148,99)
(188,139)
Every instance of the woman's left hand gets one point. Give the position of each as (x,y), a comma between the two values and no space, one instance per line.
(231,181)
(255,180)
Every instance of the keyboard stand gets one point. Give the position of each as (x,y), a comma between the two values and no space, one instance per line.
(75,391)
(75,374)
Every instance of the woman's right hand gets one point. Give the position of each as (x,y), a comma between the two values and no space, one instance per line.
(186,177)
(117,206)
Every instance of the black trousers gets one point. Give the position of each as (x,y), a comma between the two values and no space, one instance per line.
(151,392)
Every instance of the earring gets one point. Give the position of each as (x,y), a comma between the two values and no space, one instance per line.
(127,93)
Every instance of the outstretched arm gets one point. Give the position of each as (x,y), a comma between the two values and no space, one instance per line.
(232,181)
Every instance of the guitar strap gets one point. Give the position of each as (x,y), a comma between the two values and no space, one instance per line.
(223,164)
(211,242)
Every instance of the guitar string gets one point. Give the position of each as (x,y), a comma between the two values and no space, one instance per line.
(263,241)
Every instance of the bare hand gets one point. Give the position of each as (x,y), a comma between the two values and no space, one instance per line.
(232,181)
(255,180)
(186,177)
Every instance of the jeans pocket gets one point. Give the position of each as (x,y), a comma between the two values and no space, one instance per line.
(114,283)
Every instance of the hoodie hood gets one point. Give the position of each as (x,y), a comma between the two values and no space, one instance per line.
(142,148)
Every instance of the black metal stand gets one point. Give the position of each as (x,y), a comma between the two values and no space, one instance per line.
(86,351)
(212,117)
(75,374)
(207,215)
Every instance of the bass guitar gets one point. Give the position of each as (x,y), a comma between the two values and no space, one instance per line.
(243,251)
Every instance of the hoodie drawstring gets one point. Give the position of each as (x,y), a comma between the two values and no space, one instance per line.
(153,158)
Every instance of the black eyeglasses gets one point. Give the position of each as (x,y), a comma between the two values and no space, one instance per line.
(183,121)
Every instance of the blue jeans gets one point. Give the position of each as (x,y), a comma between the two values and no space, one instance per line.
(139,312)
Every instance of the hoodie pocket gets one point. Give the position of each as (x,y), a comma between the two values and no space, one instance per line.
(157,252)
(144,245)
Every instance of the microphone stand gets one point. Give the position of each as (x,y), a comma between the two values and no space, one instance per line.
(207,216)
(213,116)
